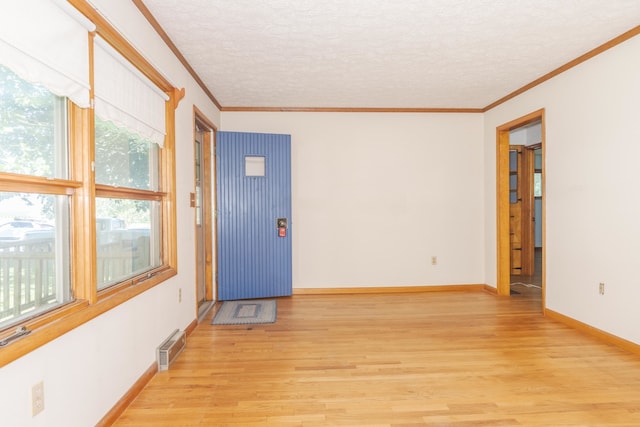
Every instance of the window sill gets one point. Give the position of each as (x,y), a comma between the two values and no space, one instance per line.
(54,324)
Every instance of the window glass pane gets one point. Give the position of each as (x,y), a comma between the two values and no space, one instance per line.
(124,158)
(513,197)
(34,254)
(538,158)
(32,128)
(254,166)
(513,182)
(537,184)
(513,160)
(127,238)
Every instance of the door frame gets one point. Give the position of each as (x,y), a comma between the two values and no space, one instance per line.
(208,170)
(502,199)
(528,208)
(516,211)
(525,219)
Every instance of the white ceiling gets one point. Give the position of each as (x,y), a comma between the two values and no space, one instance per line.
(383,53)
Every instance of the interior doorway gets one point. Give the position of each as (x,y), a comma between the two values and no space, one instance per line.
(201,201)
(525,213)
(520,176)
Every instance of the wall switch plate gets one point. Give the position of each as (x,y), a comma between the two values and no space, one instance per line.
(37,398)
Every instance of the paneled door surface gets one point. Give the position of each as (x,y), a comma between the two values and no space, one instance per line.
(253,215)
(515,207)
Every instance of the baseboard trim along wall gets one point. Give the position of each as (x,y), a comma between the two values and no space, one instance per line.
(490,289)
(388,289)
(594,332)
(112,416)
(122,404)
(191,327)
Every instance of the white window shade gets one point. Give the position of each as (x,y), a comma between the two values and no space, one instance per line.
(47,42)
(125,96)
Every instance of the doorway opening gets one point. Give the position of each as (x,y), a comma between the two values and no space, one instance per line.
(201,200)
(525,215)
(520,195)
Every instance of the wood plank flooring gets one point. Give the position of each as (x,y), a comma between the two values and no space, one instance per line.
(429,359)
(529,286)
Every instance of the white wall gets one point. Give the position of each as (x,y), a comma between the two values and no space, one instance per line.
(526,135)
(375,195)
(86,371)
(592,206)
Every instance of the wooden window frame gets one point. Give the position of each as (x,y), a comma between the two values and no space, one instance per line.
(88,302)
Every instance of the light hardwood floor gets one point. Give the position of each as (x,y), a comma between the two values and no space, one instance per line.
(429,359)
(529,286)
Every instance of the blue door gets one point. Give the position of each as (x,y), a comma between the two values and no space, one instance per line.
(253,174)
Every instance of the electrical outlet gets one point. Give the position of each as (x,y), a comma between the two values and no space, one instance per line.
(37,399)
(601,288)
(179,294)
(434,260)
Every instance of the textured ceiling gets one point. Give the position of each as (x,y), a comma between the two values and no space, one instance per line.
(383,53)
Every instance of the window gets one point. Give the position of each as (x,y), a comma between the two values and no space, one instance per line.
(254,166)
(129,129)
(127,238)
(34,225)
(33,128)
(87,198)
(128,227)
(514,174)
(537,174)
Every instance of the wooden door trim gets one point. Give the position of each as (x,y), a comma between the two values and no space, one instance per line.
(516,212)
(528,210)
(502,201)
(207,196)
